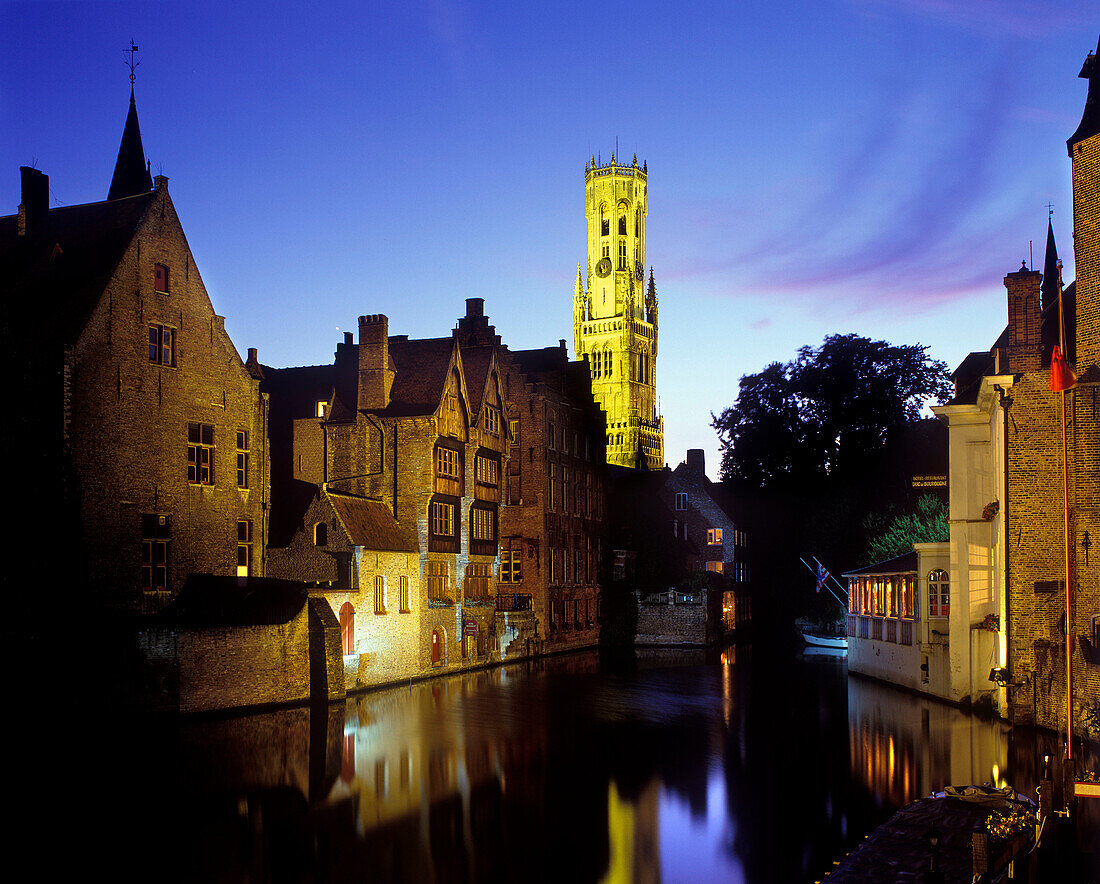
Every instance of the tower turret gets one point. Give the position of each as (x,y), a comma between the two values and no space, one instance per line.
(614,323)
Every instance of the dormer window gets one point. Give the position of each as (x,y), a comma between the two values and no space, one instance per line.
(160,278)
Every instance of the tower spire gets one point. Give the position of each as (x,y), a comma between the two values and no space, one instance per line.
(131,171)
(1052,271)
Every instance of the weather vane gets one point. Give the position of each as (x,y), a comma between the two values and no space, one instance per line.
(131,63)
(1050,210)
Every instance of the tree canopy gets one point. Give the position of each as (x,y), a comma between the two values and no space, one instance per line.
(894,533)
(821,416)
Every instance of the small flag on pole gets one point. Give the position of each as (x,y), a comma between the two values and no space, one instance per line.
(822,576)
(1061,375)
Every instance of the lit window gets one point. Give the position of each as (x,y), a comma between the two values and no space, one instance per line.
(513,428)
(244,547)
(160,278)
(200,454)
(443,519)
(714,536)
(162,345)
(319,411)
(482,524)
(715,566)
(379,594)
(155,537)
(510,566)
(242,458)
(492,420)
(487,470)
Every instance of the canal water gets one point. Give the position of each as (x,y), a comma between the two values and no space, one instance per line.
(718,766)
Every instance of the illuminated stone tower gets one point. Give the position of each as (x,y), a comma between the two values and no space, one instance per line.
(615,316)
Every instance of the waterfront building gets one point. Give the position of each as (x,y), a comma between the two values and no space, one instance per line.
(552,525)
(138,434)
(615,313)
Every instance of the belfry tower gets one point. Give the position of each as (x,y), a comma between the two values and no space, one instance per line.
(615,314)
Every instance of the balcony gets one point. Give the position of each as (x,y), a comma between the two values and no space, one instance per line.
(513,601)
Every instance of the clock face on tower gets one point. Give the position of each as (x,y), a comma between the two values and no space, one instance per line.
(603,267)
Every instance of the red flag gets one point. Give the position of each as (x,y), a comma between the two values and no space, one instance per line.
(1061,375)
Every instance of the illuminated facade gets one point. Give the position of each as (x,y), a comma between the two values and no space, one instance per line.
(615,317)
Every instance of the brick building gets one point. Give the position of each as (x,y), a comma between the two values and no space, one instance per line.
(1007,450)
(135,421)
(552,526)
(392,426)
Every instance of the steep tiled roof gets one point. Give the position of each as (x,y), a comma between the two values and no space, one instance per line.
(68,263)
(475,365)
(369,523)
(1090,119)
(421,375)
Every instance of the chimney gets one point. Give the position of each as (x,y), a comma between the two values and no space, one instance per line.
(1025,343)
(696,460)
(475,307)
(253,364)
(35,202)
(375,379)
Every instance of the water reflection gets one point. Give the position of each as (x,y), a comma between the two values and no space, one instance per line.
(736,767)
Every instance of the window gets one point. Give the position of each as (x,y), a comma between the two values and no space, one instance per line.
(437,578)
(492,420)
(156,532)
(347,628)
(319,409)
(605,222)
(486,470)
(715,566)
(200,454)
(244,547)
(511,569)
(622,254)
(320,534)
(446,463)
(242,458)
(478,580)
(162,345)
(160,278)
(714,536)
(513,428)
(681,500)
(379,594)
(403,601)
(938,593)
(482,524)
(622,225)
(443,519)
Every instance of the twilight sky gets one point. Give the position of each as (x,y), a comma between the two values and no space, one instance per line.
(815,166)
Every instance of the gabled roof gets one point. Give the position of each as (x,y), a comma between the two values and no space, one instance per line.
(68,263)
(369,523)
(421,375)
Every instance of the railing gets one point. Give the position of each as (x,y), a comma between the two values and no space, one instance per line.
(853,625)
(905,632)
(892,631)
(514,601)
(876,629)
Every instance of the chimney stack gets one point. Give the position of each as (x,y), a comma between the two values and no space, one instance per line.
(1025,344)
(35,202)
(375,378)
(696,460)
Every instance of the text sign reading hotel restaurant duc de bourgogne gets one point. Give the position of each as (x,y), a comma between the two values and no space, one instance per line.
(930,481)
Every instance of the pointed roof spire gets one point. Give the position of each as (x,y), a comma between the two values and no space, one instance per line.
(580,284)
(1090,119)
(131,172)
(1052,271)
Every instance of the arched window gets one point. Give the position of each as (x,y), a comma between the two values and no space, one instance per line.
(605,222)
(320,534)
(939,593)
(347,628)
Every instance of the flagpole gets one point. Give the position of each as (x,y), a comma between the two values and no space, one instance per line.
(1064,389)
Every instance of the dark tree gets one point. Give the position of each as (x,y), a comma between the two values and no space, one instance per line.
(819,418)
